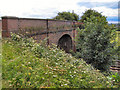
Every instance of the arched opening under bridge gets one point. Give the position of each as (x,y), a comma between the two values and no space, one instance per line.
(65,43)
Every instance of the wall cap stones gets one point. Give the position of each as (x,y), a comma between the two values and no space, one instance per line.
(14,17)
(9,17)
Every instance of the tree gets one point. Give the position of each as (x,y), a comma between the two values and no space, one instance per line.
(94,43)
(88,13)
(67,16)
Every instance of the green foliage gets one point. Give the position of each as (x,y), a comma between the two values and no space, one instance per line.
(94,43)
(15,37)
(38,66)
(118,38)
(88,13)
(67,16)
(118,43)
(0,60)
(115,79)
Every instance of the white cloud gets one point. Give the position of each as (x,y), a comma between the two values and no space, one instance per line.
(107,11)
(19,7)
(49,8)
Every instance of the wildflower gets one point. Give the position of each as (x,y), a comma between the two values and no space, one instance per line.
(65,84)
(30,68)
(29,74)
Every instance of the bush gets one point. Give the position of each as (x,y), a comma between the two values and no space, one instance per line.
(115,79)
(93,43)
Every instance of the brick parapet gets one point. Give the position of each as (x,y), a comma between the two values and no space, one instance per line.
(51,29)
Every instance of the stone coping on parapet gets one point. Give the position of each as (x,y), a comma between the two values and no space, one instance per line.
(14,17)
(9,17)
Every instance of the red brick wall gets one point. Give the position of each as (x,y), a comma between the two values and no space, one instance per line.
(59,25)
(55,28)
(54,37)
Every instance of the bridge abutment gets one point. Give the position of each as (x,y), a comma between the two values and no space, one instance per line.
(40,29)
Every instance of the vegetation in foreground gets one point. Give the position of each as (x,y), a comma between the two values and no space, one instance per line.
(27,64)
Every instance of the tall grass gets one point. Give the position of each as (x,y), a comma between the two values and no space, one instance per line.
(27,64)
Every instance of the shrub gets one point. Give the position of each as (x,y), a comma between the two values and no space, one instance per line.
(115,79)
(93,43)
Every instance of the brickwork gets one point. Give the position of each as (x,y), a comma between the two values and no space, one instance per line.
(39,29)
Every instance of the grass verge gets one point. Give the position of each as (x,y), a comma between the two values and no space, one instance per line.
(26,64)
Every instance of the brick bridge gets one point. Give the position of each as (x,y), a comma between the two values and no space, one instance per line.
(62,33)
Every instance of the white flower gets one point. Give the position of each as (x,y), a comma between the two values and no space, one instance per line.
(74,72)
(65,84)
(54,75)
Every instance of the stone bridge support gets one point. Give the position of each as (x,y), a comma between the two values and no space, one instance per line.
(59,32)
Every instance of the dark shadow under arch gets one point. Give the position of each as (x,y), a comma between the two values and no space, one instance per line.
(65,43)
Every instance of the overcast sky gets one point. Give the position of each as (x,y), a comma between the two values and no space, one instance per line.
(49,8)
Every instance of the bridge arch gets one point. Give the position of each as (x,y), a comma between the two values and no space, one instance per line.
(65,43)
